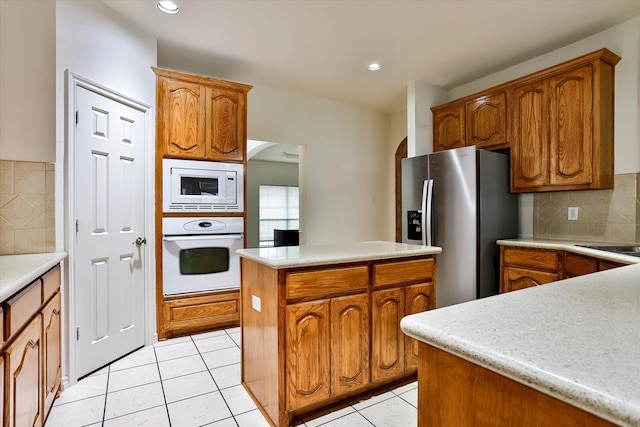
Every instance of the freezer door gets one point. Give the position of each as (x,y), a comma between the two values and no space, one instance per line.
(414,173)
(454,175)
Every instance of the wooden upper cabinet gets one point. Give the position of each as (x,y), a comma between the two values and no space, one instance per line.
(200,117)
(563,126)
(481,120)
(530,152)
(571,127)
(488,121)
(183,118)
(449,128)
(226,124)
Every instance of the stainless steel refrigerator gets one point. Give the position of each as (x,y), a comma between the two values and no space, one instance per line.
(459,200)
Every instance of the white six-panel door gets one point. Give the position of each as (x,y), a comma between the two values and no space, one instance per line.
(109,205)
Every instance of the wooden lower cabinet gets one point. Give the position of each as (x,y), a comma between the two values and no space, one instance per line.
(24,382)
(418,298)
(51,347)
(314,336)
(388,340)
(30,360)
(350,341)
(522,268)
(308,354)
(2,396)
(514,279)
(327,349)
(455,392)
(187,314)
(576,265)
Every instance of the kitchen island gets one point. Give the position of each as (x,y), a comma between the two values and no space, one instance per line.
(565,353)
(322,323)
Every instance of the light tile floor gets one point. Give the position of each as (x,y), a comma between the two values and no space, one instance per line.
(195,381)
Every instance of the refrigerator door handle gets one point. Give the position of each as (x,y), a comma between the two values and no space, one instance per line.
(427,208)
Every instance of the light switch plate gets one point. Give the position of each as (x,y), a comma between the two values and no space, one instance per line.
(572,214)
(256,303)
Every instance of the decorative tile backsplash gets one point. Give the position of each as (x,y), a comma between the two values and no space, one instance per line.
(603,215)
(27,207)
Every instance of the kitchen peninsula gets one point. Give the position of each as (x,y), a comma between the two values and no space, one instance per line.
(322,323)
(560,354)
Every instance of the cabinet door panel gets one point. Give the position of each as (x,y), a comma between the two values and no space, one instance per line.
(419,298)
(307,352)
(571,127)
(51,357)
(183,119)
(225,124)
(487,121)
(24,386)
(530,140)
(516,278)
(387,338)
(350,350)
(448,129)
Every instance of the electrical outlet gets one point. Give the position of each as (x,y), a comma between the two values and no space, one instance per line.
(572,214)
(256,303)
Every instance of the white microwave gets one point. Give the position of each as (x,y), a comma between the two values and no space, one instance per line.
(202,186)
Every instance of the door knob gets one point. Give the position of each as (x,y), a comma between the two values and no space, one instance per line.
(139,241)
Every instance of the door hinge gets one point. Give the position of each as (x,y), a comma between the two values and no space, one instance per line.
(77,116)
(78,334)
(77,225)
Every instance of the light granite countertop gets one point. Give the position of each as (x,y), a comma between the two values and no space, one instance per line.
(17,271)
(577,339)
(302,256)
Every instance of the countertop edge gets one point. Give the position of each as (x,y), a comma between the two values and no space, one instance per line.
(316,260)
(571,247)
(20,270)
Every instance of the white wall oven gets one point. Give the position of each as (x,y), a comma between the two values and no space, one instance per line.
(202,186)
(199,254)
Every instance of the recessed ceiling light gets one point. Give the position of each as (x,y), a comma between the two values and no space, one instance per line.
(167,6)
(374,66)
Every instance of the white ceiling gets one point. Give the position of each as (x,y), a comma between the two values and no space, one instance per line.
(322,47)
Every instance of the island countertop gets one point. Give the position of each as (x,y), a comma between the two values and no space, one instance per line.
(17,271)
(303,256)
(577,340)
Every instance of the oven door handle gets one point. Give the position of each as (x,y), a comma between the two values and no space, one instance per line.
(203,237)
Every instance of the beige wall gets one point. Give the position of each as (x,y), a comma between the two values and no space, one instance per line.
(344,172)
(27,82)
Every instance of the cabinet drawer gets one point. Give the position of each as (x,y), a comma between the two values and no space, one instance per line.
(21,307)
(50,283)
(326,281)
(532,258)
(576,265)
(403,271)
(608,265)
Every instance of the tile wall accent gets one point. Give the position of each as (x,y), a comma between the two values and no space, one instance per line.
(603,215)
(27,207)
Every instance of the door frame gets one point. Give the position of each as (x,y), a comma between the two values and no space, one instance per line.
(73,82)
